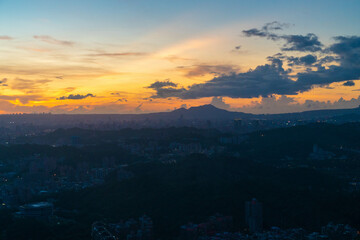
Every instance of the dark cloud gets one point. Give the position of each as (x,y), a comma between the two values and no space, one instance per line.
(165,89)
(328,59)
(307,43)
(305,60)
(3,82)
(237,49)
(266,31)
(348,50)
(51,40)
(118,93)
(162,84)
(122,100)
(302,43)
(272,78)
(75,96)
(262,81)
(4,37)
(349,83)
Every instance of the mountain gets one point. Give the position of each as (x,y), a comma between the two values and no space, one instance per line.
(211,112)
(204,112)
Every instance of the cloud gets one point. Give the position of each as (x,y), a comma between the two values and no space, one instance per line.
(122,100)
(162,84)
(75,96)
(268,79)
(4,37)
(119,54)
(264,80)
(219,103)
(307,43)
(266,30)
(302,43)
(51,40)
(3,82)
(348,50)
(174,58)
(203,69)
(305,60)
(29,86)
(286,104)
(165,88)
(349,83)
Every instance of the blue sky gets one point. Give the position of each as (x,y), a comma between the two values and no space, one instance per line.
(73,17)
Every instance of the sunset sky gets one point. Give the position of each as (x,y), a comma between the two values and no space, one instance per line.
(138,56)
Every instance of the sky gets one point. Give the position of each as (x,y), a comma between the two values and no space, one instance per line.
(140,56)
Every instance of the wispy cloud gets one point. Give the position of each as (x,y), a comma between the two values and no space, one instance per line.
(119,54)
(4,37)
(27,85)
(51,40)
(203,69)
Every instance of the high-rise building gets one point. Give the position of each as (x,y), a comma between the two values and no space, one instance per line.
(253,215)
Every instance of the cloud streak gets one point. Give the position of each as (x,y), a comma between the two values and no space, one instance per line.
(51,40)
(4,37)
(119,54)
(203,69)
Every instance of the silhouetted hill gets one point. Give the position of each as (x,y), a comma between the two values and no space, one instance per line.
(206,112)
(351,113)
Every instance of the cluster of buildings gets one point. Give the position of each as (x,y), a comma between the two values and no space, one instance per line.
(220,228)
(320,154)
(329,232)
(131,229)
(215,224)
(253,215)
(34,176)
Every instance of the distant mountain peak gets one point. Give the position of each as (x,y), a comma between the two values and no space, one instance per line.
(208,107)
(207,111)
